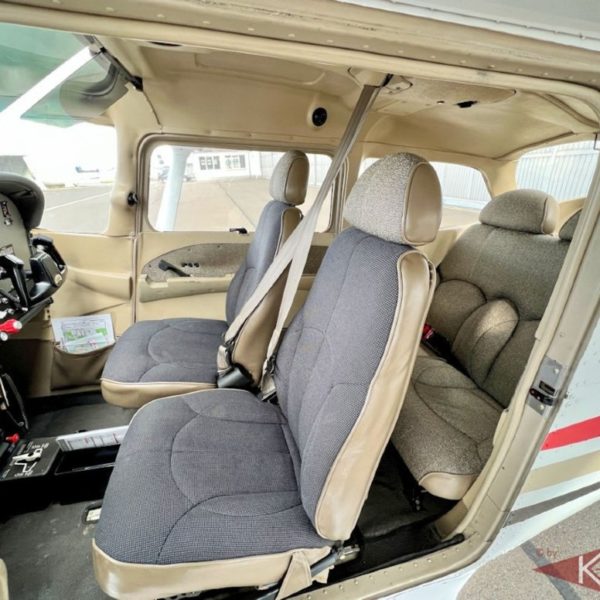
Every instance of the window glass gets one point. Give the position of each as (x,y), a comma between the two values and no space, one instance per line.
(75,166)
(564,171)
(215,189)
(464,192)
(29,54)
(44,114)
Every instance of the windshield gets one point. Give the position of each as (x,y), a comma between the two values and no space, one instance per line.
(53,93)
(29,55)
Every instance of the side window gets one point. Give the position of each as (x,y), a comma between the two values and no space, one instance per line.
(194,188)
(564,171)
(464,192)
(75,166)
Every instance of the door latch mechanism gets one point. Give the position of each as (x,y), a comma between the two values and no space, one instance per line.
(548,382)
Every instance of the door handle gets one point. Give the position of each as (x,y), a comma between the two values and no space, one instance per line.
(165,265)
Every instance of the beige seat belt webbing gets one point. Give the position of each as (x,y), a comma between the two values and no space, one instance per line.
(295,249)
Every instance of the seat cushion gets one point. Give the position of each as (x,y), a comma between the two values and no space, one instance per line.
(446,428)
(154,359)
(207,476)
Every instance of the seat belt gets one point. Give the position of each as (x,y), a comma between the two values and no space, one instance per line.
(294,251)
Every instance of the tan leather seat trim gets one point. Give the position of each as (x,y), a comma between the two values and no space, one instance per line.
(352,472)
(447,485)
(134,395)
(129,581)
(293,188)
(550,217)
(422,212)
(253,339)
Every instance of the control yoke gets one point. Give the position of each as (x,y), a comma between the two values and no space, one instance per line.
(47,273)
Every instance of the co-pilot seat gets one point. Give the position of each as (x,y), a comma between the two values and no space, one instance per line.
(218,489)
(154,359)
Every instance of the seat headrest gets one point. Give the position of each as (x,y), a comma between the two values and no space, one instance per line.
(529,211)
(567,231)
(290,178)
(397,199)
(27,197)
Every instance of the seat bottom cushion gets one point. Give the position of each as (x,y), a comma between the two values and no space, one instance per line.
(154,359)
(203,478)
(446,428)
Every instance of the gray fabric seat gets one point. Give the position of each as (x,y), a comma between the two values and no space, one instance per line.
(181,350)
(154,359)
(446,428)
(246,485)
(494,287)
(216,489)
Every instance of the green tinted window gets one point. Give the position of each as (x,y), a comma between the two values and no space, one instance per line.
(52,142)
(28,54)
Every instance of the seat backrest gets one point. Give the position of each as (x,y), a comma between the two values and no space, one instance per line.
(344,363)
(494,286)
(277,221)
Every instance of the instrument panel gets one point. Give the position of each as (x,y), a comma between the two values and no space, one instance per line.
(31,270)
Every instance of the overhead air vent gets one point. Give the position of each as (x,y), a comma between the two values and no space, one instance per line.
(319,116)
(466,103)
(166,44)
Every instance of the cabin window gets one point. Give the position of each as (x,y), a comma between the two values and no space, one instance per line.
(564,171)
(464,192)
(77,180)
(194,188)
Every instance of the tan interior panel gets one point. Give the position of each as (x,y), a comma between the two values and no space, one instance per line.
(3,581)
(416,112)
(99,278)
(200,296)
(98,281)
(566,208)
(177,287)
(202,306)
(193,297)
(436,251)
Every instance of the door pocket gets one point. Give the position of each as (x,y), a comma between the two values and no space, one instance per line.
(77,370)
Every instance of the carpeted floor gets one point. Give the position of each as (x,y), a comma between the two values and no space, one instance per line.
(48,555)
(48,552)
(389,529)
(388,507)
(69,414)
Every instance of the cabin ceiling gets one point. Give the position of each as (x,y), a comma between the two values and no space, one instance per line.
(198,91)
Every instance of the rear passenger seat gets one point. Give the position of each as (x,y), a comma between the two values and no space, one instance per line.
(494,286)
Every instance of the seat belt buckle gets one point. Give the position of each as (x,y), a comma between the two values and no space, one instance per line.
(234,378)
(428,332)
